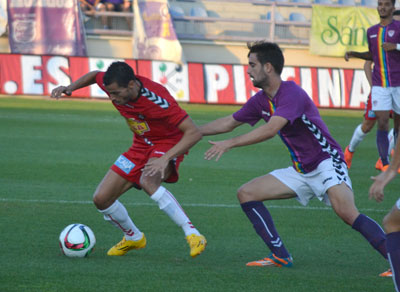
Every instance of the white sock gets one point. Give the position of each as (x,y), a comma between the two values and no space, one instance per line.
(391,140)
(167,202)
(358,136)
(118,216)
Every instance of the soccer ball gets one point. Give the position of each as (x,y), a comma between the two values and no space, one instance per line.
(77,240)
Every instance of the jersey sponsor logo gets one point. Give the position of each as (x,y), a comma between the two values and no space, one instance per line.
(372,36)
(138,127)
(124,164)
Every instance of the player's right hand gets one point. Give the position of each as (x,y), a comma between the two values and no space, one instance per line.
(58,91)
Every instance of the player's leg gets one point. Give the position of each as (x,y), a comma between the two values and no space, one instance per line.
(382,140)
(391,223)
(250,196)
(360,132)
(170,205)
(381,105)
(106,200)
(358,136)
(342,200)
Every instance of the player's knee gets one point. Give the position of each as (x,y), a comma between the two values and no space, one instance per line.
(149,184)
(102,200)
(347,216)
(244,195)
(98,201)
(390,225)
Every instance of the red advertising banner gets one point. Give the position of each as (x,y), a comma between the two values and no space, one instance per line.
(192,82)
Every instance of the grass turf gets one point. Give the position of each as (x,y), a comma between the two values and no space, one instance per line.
(54,153)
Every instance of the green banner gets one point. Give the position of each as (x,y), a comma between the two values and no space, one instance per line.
(337,30)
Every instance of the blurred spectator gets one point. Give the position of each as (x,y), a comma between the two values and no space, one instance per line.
(89,7)
(118,5)
(128,7)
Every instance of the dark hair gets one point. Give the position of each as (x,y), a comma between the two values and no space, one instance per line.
(119,72)
(396,12)
(268,53)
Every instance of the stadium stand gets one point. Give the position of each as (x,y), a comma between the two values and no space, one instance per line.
(324,2)
(370,3)
(198,11)
(176,11)
(347,2)
(295,16)
(209,20)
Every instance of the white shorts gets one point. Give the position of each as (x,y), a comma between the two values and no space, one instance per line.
(315,183)
(385,98)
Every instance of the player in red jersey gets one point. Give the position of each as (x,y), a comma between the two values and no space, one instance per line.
(163,133)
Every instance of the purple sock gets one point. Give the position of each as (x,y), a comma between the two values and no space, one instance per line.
(264,226)
(393,248)
(382,142)
(372,232)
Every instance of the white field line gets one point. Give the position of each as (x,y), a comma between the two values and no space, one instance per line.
(10,200)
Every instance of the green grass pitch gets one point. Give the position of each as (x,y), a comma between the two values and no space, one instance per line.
(54,153)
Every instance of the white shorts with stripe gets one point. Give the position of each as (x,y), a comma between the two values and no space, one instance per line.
(315,183)
(385,98)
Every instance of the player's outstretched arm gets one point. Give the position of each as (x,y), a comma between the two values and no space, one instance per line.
(85,80)
(380,181)
(361,55)
(262,133)
(219,126)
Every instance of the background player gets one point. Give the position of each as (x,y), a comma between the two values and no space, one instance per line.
(367,125)
(163,132)
(384,46)
(369,119)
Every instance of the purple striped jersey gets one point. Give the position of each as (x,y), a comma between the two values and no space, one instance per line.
(305,135)
(386,71)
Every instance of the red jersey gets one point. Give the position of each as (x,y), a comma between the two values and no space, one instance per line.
(154,117)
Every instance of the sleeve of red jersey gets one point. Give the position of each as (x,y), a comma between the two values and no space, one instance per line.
(174,114)
(99,80)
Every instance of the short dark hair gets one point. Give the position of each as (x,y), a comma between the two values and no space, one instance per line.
(268,53)
(119,72)
(396,12)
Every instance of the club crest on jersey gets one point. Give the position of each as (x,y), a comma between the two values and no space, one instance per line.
(391,33)
(138,127)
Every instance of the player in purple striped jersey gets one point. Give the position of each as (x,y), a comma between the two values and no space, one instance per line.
(318,167)
(384,50)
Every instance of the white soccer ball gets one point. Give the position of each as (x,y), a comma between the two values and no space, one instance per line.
(77,240)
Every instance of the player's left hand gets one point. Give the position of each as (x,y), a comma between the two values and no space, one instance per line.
(155,166)
(376,190)
(380,181)
(217,149)
(389,46)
